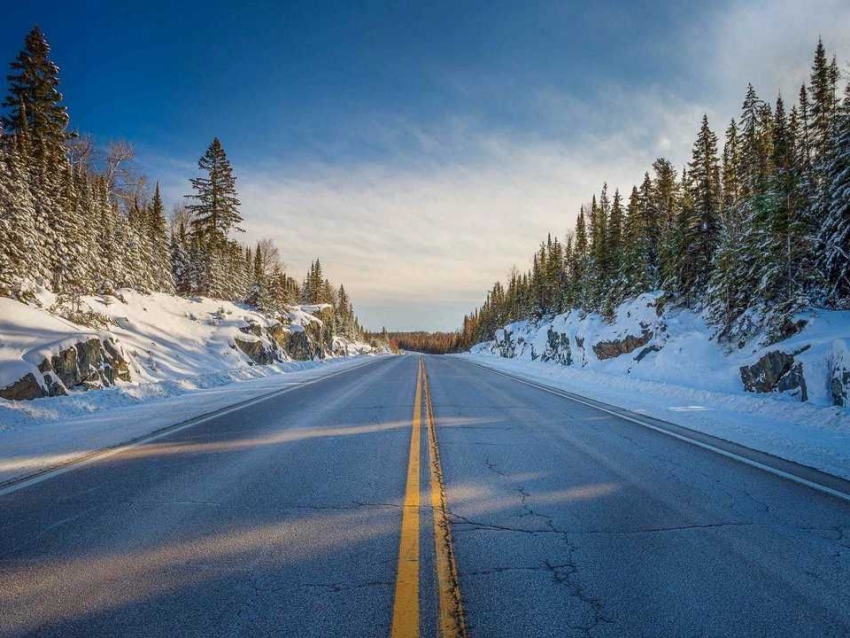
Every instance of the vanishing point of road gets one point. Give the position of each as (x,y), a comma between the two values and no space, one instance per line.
(422,496)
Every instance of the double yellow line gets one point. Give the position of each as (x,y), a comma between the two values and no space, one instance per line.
(406,607)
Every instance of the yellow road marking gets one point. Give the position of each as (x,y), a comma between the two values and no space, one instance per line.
(405,623)
(406,607)
(452,622)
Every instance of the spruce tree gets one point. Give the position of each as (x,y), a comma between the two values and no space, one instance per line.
(665,198)
(179,256)
(822,106)
(834,233)
(579,270)
(216,207)
(22,239)
(34,102)
(157,228)
(704,174)
(615,251)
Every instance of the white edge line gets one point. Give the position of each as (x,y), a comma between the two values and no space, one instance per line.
(45,475)
(741,459)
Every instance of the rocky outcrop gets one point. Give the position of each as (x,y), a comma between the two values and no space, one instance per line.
(557,348)
(504,345)
(278,342)
(280,334)
(302,348)
(90,364)
(24,389)
(259,351)
(776,371)
(839,373)
(252,328)
(93,363)
(629,343)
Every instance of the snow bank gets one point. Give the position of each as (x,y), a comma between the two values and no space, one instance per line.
(674,346)
(165,337)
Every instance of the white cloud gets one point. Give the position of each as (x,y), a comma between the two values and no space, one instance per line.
(435,232)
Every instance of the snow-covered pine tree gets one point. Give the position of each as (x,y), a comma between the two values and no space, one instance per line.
(90,218)
(834,236)
(650,228)
(779,244)
(109,248)
(73,245)
(575,264)
(823,100)
(685,238)
(215,213)
(665,198)
(614,241)
(25,254)
(157,228)
(634,258)
(179,257)
(704,175)
(34,102)
(728,295)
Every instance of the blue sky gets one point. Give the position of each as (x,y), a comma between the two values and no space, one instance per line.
(420,149)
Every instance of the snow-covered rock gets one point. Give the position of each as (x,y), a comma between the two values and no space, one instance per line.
(775,372)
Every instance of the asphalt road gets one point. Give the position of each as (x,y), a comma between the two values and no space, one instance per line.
(293,516)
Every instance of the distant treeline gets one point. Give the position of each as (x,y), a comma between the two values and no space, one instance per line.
(427,342)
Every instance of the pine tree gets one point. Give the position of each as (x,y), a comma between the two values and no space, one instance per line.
(179,256)
(804,145)
(686,238)
(705,179)
(731,176)
(21,241)
(158,235)
(823,105)
(578,269)
(615,251)
(779,244)
(216,211)
(665,198)
(34,101)
(650,229)
(834,233)
(752,168)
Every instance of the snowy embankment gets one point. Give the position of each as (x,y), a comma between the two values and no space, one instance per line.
(664,363)
(156,360)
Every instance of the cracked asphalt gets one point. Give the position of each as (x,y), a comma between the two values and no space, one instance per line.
(283,519)
(568,521)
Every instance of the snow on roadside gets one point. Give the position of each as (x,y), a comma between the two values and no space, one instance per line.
(45,432)
(814,435)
